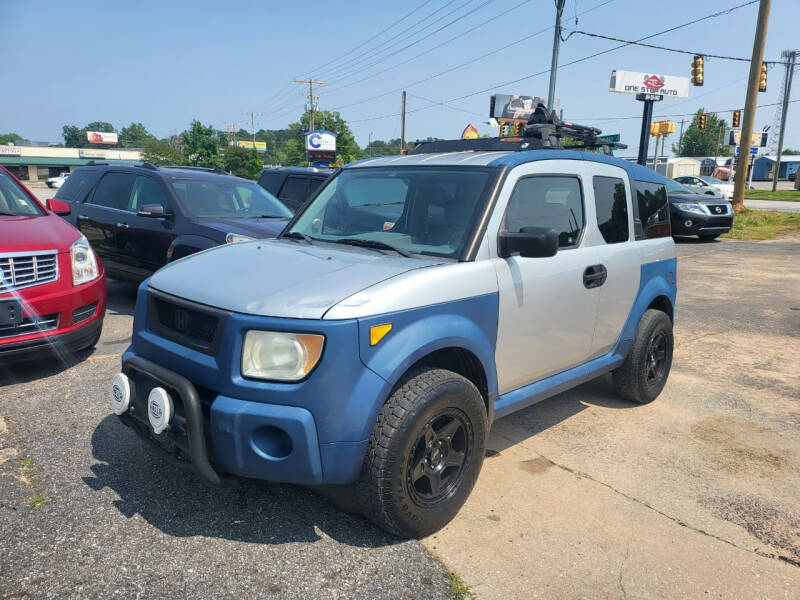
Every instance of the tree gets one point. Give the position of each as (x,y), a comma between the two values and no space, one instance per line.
(788,151)
(201,145)
(162,152)
(241,162)
(134,135)
(6,138)
(702,142)
(76,138)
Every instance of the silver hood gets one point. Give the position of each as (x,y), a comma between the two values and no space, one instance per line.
(280,278)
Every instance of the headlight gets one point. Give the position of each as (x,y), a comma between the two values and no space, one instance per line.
(692,208)
(84,263)
(235,238)
(279,355)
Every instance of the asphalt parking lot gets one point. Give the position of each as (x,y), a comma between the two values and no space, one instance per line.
(582,495)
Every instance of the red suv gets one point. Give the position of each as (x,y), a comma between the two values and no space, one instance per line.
(52,286)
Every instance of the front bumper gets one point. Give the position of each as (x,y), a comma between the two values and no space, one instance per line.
(689,223)
(219,435)
(77,314)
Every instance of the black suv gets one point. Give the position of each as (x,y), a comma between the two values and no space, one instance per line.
(293,185)
(138,218)
(702,215)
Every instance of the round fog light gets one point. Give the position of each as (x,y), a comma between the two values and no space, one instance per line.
(159,409)
(120,393)
(688,223)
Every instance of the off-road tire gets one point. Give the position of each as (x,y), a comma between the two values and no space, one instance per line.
(421,399)
(707,237)
(631,378)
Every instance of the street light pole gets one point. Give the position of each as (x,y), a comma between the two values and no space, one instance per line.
(791,57)
(551,92)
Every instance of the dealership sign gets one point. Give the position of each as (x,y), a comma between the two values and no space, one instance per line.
(10,150)
(101,137)
(635,82)
(321,140)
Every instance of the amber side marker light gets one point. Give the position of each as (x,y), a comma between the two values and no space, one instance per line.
(378,332)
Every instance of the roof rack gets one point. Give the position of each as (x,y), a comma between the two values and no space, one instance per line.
(543,131)
(191,168)
(147,165)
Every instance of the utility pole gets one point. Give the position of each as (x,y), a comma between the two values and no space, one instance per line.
(716,148)
(253,125)
(551,92)
(680,140)
(369,144)
(750,103)
(403,126)
(312,99)
(791,58)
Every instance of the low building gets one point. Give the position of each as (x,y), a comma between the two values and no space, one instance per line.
(764,166)
(38,162)
(679,167)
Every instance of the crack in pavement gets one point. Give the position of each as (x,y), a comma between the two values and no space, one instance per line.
(676,520)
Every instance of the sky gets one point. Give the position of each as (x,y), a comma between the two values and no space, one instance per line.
(165,63)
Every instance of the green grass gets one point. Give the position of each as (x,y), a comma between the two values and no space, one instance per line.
(762,224)
(37,500)
(458,589)
(791,195)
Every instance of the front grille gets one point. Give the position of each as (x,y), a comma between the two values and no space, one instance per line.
(30,325)
(185,322)
(712,208)
(83,313)
(21,270)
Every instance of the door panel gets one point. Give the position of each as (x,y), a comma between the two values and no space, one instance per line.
(619,253)
(98,216)
(547,314)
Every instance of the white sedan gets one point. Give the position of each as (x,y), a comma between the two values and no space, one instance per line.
(58,181)
(703,184)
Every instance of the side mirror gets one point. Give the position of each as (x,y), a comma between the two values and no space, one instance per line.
(58,206)
(530,242)
(154,211)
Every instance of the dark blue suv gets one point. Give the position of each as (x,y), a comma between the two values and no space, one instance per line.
(139,218)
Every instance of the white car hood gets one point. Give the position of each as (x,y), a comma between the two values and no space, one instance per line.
(280,278)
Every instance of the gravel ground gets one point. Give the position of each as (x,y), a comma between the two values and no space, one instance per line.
(114,517)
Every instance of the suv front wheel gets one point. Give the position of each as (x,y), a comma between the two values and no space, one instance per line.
(424,454)
(644,373)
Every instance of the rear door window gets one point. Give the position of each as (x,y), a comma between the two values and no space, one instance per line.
(113,191)
(77,185)
(611,206)
(650,211)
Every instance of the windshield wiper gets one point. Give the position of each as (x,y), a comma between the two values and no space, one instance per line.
(296,235)
(371,244)
(8,214)
(267,217)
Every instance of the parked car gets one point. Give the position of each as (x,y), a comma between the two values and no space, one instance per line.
(293,185)
(58,180)
(792,175)
(52,287)
(697,214)
(412,301)
(704,184)
(140,218)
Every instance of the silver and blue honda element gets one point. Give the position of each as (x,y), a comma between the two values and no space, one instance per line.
(410,303)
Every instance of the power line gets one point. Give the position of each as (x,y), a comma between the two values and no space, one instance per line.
(691,52)
(729,110)
(578,60)
(458,66)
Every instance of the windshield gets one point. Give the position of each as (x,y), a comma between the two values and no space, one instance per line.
(219,198)
(711,180)
(673,187)
(13,199)
(421,210)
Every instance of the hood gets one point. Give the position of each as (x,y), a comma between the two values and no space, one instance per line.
(696,198)
(44,232)
(255,228)
(280,278)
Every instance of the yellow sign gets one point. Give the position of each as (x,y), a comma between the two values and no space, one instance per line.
(259,146)
(470,133)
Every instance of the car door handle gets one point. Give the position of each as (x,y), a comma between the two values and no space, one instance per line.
(594,276)
(122,225)
(83,218)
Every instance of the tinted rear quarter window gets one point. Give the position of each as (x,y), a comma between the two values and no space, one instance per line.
(77,185)
(271,182)
(611,206)
(650,211)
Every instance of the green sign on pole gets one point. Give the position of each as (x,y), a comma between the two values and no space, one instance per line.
(611,137)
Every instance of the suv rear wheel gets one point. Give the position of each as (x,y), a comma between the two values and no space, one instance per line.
(644,373)
(424,454)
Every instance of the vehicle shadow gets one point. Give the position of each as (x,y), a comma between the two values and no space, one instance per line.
(531,421)
(121,297)
(694,240)
(173,500)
